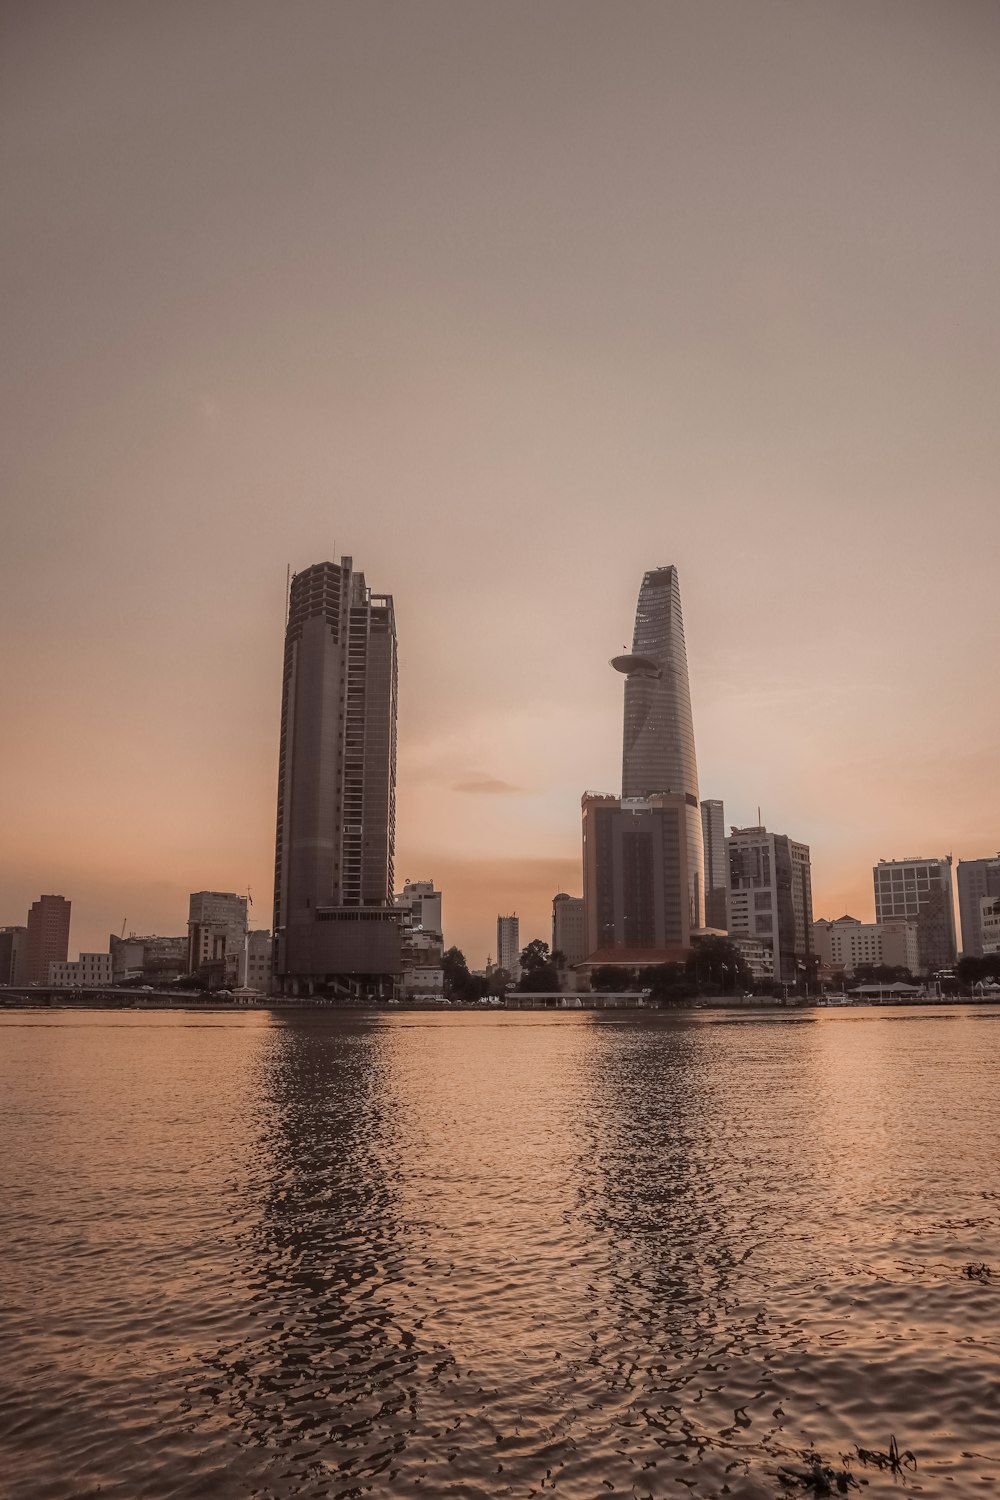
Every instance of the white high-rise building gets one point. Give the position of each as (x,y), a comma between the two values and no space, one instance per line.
(423,902)
(509,944)
(423,940)
(770,896)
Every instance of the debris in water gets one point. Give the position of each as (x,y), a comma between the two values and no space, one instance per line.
(894,1461)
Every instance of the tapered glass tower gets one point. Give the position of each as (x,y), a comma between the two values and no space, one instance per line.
(658,755)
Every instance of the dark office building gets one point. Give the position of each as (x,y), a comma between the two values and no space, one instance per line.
(13,943)
(335,925)
(635,858)
(47,939)
(713,837)
(919,890)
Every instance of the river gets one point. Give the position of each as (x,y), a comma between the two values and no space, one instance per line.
(427,1255)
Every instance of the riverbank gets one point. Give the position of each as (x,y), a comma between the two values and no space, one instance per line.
(164,1000)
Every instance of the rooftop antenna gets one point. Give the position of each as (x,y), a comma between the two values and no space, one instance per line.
(759,823)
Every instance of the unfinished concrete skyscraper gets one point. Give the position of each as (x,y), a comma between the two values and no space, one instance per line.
(335,925)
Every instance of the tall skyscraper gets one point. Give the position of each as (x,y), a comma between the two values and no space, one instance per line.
(509,944)
(47,940)
(658,755)
(336,927)
(713,834)
(976,878)
(643,855)
(919,890)
(770,896)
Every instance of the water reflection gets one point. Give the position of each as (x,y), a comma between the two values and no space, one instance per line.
(476,1256)
(325,1368)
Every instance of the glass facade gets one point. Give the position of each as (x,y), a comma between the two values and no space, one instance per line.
(658,754)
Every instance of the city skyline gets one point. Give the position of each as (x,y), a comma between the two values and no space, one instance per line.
(538,900)
(510,323)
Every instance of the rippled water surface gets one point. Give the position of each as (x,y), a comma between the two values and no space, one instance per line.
(497,1255)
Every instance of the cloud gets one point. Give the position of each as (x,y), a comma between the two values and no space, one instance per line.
(489,784)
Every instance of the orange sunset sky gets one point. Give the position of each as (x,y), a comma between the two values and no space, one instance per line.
(510,302)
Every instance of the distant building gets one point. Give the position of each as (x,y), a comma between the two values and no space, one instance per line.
(757,955)
(770,896)
(976,878)
(634,864)
(635,869)
(89,971)
(422,938)
(509,944)
(989,925)
(900,944)
(217,927)
(919,890)
(148,959)
(423,903)
(713,831)
(47,940)
(850,944)
(13,942)
(249,966)
(569,928)
(336,927)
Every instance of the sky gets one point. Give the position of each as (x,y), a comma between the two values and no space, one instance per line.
(509,302)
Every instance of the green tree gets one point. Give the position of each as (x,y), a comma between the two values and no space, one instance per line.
(540,981)
(534,956)
(459,984)
(668,984)
(971,970)
(718,964)
(610,977)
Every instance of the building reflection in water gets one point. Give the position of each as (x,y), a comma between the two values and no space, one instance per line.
(321,1381)
(687,1161)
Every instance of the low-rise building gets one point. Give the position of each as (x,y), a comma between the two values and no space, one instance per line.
(847,944)
(757,955)
(989,925)
(90,971)
(147,959)
(249,967)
